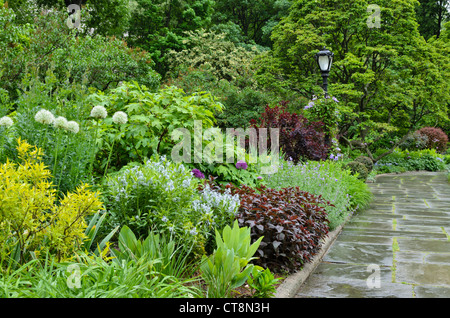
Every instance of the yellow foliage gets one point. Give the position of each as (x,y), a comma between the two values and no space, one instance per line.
(30,219)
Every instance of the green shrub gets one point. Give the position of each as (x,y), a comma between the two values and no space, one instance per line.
(94,61)
(447,159)
(162,196)
(414,141)
(223,58)
(402,161)
(366,161)
(31,222)
(358,168)
(152,120)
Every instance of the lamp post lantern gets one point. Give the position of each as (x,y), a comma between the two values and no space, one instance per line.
(324,59)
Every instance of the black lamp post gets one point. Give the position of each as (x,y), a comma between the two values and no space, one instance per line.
(324,59)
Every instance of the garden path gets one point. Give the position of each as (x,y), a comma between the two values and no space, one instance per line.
(398,247)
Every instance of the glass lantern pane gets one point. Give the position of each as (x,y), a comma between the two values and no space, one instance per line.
(323,62)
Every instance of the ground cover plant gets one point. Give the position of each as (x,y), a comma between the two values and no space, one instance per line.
(404,160)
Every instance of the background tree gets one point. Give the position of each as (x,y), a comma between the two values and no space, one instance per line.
(431,15)
(107,17)
(49,45)
(158,26)
(255,18)
(387,79)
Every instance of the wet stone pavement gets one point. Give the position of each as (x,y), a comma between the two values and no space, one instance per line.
(397,247)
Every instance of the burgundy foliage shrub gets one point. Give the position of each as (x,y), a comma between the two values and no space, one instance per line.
(299,138)
(293,223)
(437,138)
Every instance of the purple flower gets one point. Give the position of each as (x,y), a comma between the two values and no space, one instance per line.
(335,99)
(241,164)
(198,174)
(311,104)
(259,178)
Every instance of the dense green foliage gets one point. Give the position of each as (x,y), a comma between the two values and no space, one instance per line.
(431,16)
(387,79)
(121,164)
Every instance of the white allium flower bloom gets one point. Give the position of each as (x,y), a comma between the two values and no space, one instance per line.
(120,118)
(44,117)
(99,112)
(6,121)
(73,127)
(60,122)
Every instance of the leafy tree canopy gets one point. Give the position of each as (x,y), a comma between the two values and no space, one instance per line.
(387,78)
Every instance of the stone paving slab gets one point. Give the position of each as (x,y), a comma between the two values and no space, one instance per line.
(343,280)
(401,241)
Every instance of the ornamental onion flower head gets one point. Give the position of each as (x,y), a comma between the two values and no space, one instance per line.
(241,164)
(44,117)
(73,127)
(99,112)
(6,121)
(60,122)
(198,174)
(120,118)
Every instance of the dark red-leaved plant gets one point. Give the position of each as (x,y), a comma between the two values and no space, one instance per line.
(437,138)
(293,223)
(299,138)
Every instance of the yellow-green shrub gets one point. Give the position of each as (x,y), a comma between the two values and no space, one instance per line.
(31,222)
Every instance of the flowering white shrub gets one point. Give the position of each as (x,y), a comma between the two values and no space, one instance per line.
(164,196)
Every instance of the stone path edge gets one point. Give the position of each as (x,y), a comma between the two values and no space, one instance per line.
(291,285)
